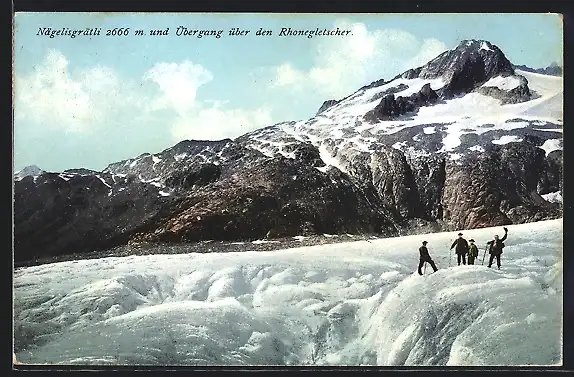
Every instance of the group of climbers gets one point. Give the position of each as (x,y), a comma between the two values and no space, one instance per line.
(464,248)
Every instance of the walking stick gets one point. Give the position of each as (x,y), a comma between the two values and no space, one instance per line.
(450,258)
(425,269)
(486,247)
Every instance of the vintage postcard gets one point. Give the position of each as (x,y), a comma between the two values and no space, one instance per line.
(288,189)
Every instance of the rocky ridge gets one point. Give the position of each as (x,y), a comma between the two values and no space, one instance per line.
(378,162)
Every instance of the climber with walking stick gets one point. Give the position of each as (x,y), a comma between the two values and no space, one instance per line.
(461,248)
(424,258)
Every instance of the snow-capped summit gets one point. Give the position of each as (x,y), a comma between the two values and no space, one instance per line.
(31,170)
(418,112)
(472,60)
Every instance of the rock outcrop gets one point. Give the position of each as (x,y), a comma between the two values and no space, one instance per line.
(390,107)
(519,94)
(499,188)
(326,105)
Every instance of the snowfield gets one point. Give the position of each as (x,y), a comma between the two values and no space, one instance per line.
(342,125)
(356,303)
(504,83)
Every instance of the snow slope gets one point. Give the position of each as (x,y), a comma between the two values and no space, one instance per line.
(357,303)
(342,126)
(504,83)
(31,170)
(549,105)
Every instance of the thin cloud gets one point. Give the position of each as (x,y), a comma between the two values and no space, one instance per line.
(343,64)
(94,100)
(179,83)
(53,97)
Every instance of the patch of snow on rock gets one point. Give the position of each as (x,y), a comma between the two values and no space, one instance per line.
(484,46)
(181,156)
(507,139)
(476,148)
(103,181)
(504,83)
(553,197)
(551,145)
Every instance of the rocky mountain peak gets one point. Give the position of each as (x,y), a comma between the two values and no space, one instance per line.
(470,63)
(32,170)
(327,104)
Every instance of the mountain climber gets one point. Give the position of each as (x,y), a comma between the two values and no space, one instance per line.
(461,248)
(472,252)
(425,257)
(495,248)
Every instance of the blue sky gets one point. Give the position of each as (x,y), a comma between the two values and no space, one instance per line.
(89,101)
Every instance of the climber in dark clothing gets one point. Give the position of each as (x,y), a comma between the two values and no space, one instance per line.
(425,257)
(472,252)
(461,248)
(495,248)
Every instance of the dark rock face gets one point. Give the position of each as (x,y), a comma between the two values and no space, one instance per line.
(307,154)
(327,104)
(551,175)
(467,66)
(55,217)
(464,79)
(374,84)
(187,179)
(395,183)
(81,171)
(185,153)
(402,186)
(471,60)
(498,189)
(244,196)
(279,198)
(410,74)
(391,108)
(430,176)
(519,94)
